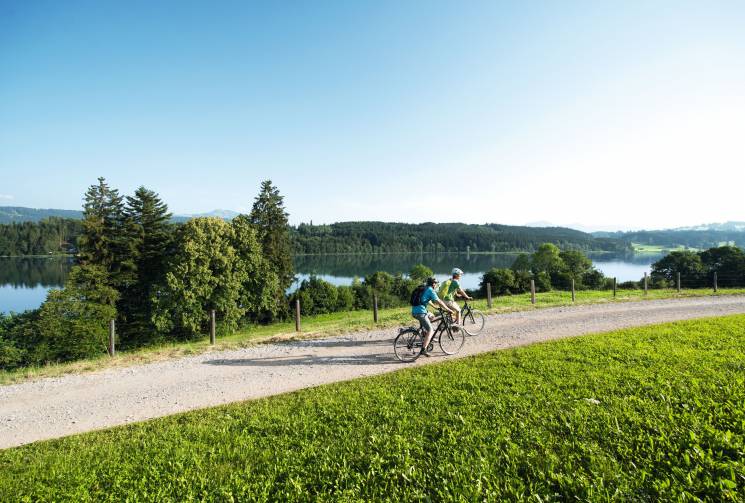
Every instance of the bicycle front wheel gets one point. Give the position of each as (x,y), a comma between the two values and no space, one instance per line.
(408,345)
(473,322)
(451,342)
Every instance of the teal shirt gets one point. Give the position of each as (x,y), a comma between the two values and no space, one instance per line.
(428,295)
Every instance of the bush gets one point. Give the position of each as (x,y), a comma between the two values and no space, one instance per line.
(501,280)
(628,285)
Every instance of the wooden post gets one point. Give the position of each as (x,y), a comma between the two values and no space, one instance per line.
(678,282)
(715,282)
(645,283)
(112,337)
(614,287)
(212,327)
(297,315)
(532,291)
(488,295)
(375,307)
(573,290)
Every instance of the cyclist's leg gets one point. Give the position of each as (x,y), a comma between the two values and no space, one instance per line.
(426,326)
(455,307)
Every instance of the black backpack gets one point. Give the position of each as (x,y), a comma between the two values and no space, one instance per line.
(416,295)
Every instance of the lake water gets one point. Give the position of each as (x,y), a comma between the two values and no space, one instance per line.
(24,282)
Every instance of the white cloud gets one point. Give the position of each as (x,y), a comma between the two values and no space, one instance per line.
(6,197)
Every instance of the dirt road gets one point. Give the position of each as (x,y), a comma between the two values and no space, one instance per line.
(55,407)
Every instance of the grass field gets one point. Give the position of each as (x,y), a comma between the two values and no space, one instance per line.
(646,414)
(334,324)
(640,248)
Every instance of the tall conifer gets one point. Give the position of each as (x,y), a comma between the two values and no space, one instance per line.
(270,220)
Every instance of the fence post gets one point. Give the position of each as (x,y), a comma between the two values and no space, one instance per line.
(297,315)
(375,307)
(614,287)
(572,290)
(532,291)
(488,295)
(715,282)
(212,327)
(112,337)
(678,282)
(645,283)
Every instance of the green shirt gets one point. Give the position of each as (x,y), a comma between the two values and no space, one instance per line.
(448,289)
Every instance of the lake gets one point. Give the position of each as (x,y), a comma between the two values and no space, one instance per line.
(24,281)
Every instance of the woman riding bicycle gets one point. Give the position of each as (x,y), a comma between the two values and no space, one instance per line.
(419,311)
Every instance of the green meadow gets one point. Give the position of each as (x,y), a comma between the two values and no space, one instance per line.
(643,414)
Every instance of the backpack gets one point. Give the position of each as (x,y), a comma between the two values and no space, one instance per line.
(416,295)
(444,288)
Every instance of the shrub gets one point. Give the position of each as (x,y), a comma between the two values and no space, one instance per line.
(420,273)
(501,280)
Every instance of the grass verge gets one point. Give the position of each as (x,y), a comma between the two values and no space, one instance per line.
(334,324)
(647,414)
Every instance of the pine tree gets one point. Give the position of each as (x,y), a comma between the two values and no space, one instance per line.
(270,220)
(150,238)
(105,241)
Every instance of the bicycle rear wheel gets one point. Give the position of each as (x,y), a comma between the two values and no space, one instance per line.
(408,345)
(473,322)
(451,342)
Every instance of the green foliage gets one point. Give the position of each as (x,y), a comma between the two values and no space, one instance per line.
(150,239)
(73,322)
(502,282)
(687,263)
(202,274)
(103,227)
(375,237)
(420,273)
(261,284)
(643,414)
(50,236)
(317,297)
(270,219)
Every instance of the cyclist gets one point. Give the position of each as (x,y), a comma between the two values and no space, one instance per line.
(419,311)
(451,289)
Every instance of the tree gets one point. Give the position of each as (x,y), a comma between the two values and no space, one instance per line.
(687,263)
(501,280)
(103,213)
(728,262)
(201,275)
(73,322)
(150,239)
(547,258)
(260,282)
(420,273)
(270,219)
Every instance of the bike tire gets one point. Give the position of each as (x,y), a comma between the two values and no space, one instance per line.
(407,345)
(451,342)
(473,322)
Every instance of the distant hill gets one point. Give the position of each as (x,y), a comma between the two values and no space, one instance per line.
(724,227)
(18,214)
(391,237)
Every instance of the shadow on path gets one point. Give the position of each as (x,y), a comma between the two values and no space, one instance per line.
(280,361)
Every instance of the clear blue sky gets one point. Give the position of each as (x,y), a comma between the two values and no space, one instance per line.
(567,112)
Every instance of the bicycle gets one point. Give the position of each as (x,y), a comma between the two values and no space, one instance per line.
(408,343)
(471,319)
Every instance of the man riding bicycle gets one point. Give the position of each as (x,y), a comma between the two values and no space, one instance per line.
(419,311)
(451,289)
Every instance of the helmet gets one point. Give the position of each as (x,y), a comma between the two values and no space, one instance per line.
(457,272)
(431,281)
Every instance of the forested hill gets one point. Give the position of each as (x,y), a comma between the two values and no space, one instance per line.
(701,239)
(18,214)
(369,237)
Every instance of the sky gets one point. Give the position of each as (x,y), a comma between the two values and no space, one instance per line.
(600,115)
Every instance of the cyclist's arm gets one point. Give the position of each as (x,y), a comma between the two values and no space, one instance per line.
(462,293)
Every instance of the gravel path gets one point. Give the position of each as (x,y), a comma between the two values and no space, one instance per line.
(55,407)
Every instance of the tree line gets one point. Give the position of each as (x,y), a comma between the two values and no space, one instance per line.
(156,279)
(385,237)
(52,235)
(697,269)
